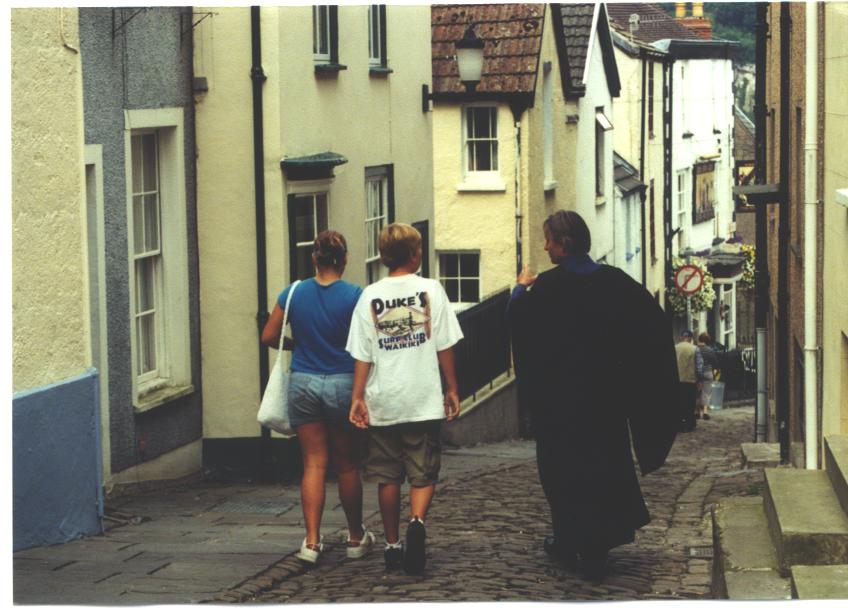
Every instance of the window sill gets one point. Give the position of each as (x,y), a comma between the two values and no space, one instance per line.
(551,185)
(329,68)
(481,186)
(379,71)
(161,396)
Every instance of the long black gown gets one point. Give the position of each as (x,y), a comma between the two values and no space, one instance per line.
(596,364)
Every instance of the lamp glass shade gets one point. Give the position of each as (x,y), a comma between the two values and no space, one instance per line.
(470,62)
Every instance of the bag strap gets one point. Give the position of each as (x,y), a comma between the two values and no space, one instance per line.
(286,318)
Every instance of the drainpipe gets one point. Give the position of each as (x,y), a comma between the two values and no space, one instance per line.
(810,245)
(761,278)
(782,355)
(642,168)
(668,114)
(257,75)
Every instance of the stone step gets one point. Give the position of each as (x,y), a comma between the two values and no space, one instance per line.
(807,524)
(836,464)
(820,582)
(745,563)
(760,455)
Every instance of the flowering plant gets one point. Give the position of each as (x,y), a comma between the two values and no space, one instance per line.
(747,280)
(703,300)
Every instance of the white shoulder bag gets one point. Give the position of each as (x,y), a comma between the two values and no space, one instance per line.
(274,410)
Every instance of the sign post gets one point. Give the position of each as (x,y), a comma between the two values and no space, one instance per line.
(688,279)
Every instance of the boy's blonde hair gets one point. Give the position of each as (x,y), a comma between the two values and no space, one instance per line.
(398,244)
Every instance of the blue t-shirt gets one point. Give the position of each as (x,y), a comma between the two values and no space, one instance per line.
(320,319)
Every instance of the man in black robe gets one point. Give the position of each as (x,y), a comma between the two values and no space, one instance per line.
(596,365)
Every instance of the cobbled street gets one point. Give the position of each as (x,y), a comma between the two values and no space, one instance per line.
(485,536)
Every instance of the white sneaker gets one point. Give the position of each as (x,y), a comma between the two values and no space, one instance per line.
(363,548)
(309,555)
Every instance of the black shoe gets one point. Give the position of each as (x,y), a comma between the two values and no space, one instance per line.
(594,566)
(706,416)
(393,557)
(556,550)
(414,557)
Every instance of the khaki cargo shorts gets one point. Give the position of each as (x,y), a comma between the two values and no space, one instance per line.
(411,450)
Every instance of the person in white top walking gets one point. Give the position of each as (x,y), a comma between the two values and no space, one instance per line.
(403,330)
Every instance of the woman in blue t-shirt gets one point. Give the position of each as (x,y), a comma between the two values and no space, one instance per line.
(320,389)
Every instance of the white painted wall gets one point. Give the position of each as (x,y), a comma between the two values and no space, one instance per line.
(598,213)
(703,104)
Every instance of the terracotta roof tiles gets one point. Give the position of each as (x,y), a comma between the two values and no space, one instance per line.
(654,23)
(513,38)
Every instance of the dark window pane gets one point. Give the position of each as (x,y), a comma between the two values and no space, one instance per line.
(321,206)
(151,222)
(150,168)
(469,264)
(494,152)
(304,262)
(483,156)
(448,265)
(138,224)
(146,343)
(482,118)
(452,288)
(470,289)
(145,284)
(303,221)
(137,171)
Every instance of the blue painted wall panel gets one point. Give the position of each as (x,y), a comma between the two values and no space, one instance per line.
(57,478)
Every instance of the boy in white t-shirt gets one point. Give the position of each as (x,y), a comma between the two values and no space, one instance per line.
(403,330)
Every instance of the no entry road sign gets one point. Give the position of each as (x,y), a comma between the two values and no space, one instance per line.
(688,279)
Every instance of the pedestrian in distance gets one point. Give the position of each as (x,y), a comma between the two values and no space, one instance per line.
(402,333)
(319,391)
(706,374)
(689,363)
(595,362)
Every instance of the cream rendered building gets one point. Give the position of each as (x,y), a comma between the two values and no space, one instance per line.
(524,144)
(835,200)
(347,146)
(55,405)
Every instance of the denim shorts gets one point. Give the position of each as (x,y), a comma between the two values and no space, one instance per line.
(319,397)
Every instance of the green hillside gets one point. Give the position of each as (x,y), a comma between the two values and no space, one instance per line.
(731,21)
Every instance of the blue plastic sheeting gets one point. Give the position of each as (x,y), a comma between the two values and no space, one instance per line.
(57,474)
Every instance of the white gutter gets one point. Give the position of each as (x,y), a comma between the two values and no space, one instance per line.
(810,242)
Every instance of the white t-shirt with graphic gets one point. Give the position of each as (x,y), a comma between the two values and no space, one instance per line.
(398,325)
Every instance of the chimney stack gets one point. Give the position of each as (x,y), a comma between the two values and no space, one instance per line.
(698,23)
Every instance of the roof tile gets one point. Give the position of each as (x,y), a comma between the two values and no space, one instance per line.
(513,38)
(654,23)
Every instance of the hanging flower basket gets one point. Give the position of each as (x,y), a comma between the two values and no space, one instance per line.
(703,300)
(747,280)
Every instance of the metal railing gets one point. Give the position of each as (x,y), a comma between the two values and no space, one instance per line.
(484,353)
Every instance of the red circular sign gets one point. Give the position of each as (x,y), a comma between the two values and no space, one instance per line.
(688,279)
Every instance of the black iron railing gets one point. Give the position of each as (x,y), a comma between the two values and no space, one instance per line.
(484,353)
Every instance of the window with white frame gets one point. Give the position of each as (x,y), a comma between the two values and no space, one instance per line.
(728,314)
(376,214)
(321,33)
(481,140)
(158,252)
(308,215)
(684,182)
(548,117)
(377,35)
(459,274)
(147,255)
(602,125)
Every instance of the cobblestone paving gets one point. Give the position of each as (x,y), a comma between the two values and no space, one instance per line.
(485,532)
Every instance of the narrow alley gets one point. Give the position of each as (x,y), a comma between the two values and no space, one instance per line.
(217,542)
